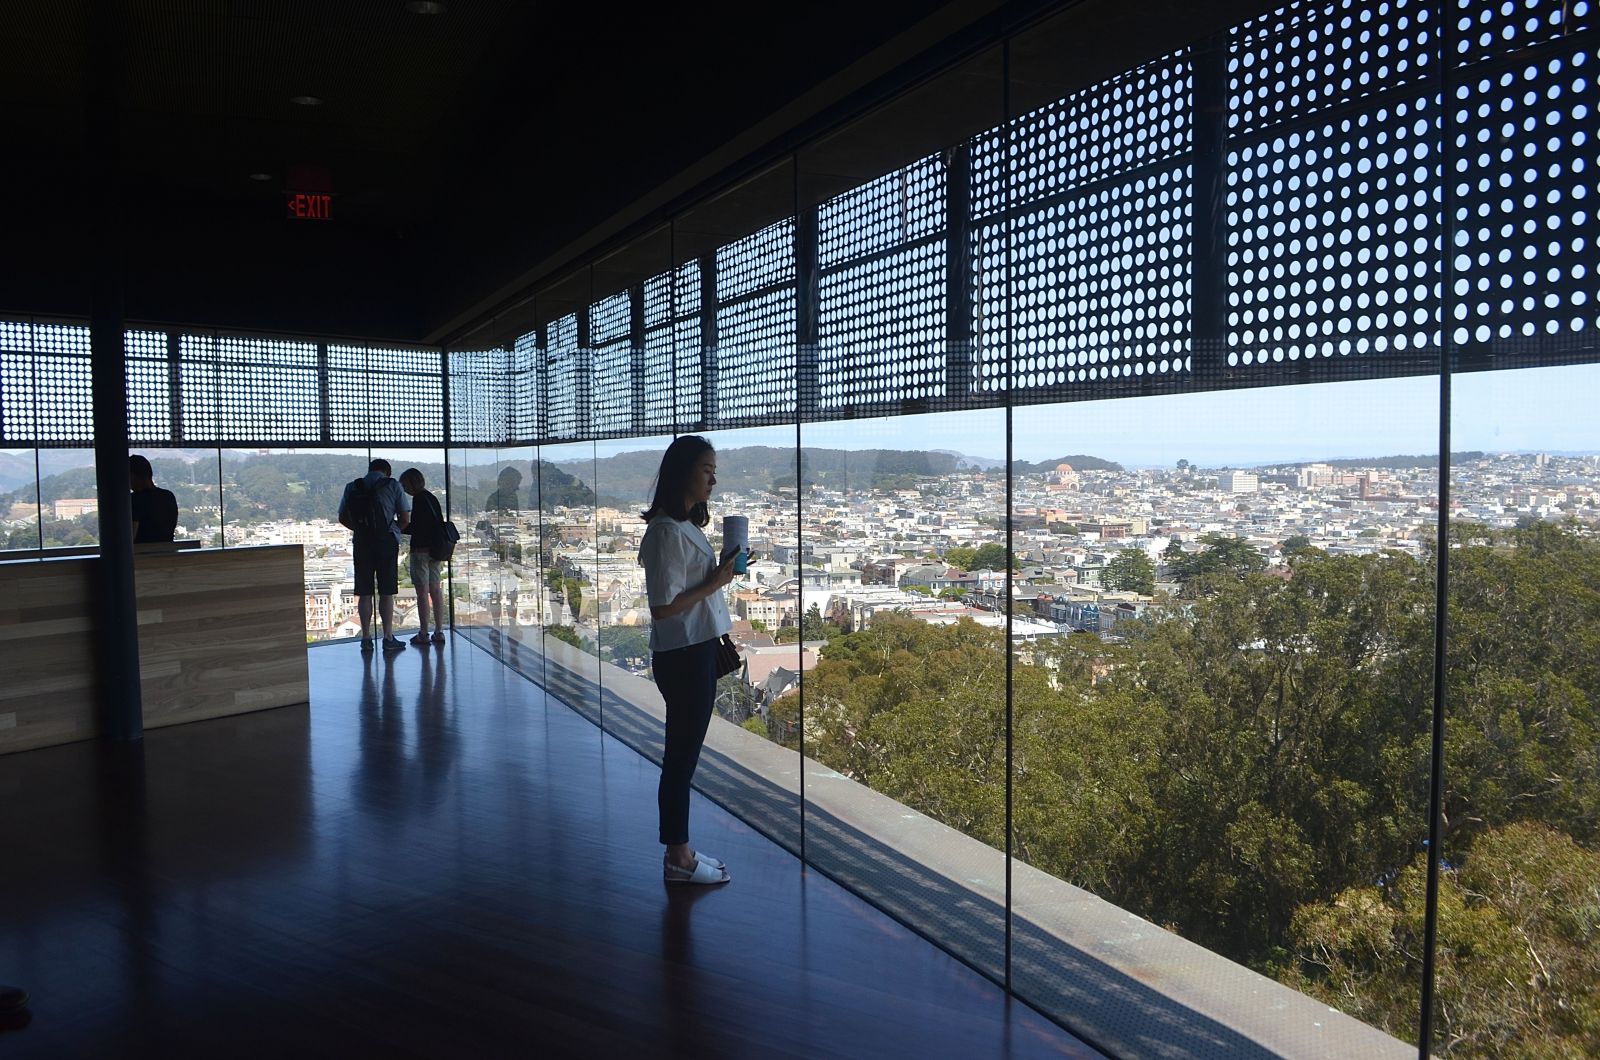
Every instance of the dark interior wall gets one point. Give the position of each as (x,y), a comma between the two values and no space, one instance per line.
(195,261)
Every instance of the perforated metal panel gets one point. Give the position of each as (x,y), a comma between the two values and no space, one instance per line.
(1138,119)
(755,358)
(384,395)
(1333,237)
(1524,189)
(755,354)
(611,389)
(45,392)
(1486,29)
(564,374)
(239,390)
(881,292)
(480,381)
(1307,57)
(672,380)
(149,388)
(525,366)
(756,262)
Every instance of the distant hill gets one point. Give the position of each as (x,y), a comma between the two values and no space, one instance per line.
(263,487)
(1401,463)
(1079,462)
(625,480)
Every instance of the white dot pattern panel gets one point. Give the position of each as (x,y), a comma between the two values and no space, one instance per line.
(479,383)
(1101,284)
(1333,238)
(609,319)
(755,358)
(881,329)
(149,395)
(45,384)
(384,394)
(672,377)
(1489,28)
(903,207)
(611,387)
(525,360)
(991,335)
(672,295)
(756,262)
(562,369)
(1524,183)
(245,390)
(1307,57)
(1134,120)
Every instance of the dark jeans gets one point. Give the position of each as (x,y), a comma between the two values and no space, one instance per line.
(687,678)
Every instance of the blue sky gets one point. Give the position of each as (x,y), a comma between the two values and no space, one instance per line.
(1543,409)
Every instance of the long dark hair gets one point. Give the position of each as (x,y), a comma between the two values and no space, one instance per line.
(672,480)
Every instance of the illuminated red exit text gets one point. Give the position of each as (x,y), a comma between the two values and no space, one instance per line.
(308,206)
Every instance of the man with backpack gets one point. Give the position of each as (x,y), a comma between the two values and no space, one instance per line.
(376,510)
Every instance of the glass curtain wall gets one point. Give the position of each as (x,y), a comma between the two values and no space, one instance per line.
(474,570)
(567,502)
(19,502)
(1518,933)
(1086,403)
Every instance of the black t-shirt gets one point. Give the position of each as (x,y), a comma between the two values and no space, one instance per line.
(156,512)
(425,520)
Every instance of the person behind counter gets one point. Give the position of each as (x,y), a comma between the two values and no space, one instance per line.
(155,510)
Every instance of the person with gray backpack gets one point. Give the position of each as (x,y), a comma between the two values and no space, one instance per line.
(376,510)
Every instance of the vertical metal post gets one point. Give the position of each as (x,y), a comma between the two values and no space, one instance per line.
(121,707)
(807,239)
(636,356)
(324,414)
(1441,606)
(1209,266)
(449,499)
(1011,162)
(708,340)
(175,383)
(958,274)
(583,391)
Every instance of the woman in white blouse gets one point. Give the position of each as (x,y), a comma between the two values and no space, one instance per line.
(684,581)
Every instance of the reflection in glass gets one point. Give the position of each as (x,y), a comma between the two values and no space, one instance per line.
(69,498)
(1518,956)
(20,522)
(901,578)
(1222,723)
(286,497)
(567,502)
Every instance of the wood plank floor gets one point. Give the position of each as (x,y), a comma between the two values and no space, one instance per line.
(433,861)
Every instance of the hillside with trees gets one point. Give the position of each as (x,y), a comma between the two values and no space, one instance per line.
(1250,766)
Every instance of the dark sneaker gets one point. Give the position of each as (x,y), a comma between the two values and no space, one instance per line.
(393,644)
(366,645)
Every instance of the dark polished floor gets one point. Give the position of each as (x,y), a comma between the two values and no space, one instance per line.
(433,861)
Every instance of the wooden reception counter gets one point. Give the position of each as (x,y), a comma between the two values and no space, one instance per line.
(221,631)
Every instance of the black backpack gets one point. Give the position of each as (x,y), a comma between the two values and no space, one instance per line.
(364,509)
(443,545)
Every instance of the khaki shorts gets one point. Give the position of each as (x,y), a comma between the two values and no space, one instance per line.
(424,570)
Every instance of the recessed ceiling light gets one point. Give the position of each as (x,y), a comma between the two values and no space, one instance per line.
(306,101)
(261,176)
(424,7)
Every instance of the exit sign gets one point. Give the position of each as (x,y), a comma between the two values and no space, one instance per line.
(310,206)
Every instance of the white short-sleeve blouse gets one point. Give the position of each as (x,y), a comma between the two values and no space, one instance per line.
(676,556)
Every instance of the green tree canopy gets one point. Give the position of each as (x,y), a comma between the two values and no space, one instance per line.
(1131,570)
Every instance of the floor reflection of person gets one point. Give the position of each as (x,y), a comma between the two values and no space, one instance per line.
(688,614)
